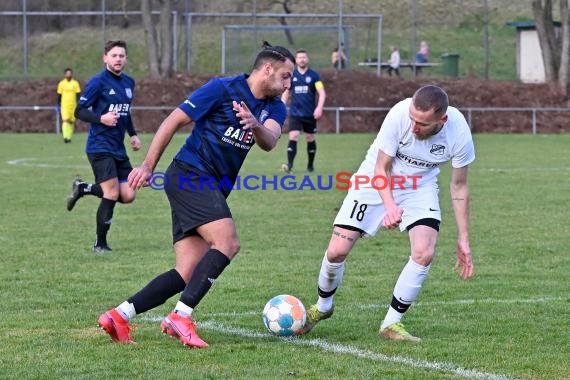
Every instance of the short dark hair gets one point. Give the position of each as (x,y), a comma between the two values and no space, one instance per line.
(272,54)
(301,51)
(67,69)
(431,97)
(114,43)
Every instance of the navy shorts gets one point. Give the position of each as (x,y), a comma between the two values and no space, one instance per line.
(192,203)
(305,124)
(106,166)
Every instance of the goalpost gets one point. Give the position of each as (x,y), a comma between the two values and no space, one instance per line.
(241,43)
(319,33)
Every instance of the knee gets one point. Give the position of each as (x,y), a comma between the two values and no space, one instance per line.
(294,136)
(112,194)
(230,248)
(335,255)
(127,198)
(126,194)
(234,247)
(310,137)
(423,256)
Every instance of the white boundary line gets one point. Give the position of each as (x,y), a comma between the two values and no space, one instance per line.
(351,350)
(469,302)
(472,301)
(338,348)
(31,162)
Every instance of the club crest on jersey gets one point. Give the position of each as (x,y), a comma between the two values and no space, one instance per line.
(437,149)
(129,93)
(308,80)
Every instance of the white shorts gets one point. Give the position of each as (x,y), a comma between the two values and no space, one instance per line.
(364,208)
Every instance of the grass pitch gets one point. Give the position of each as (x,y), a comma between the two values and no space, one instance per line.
(509,321)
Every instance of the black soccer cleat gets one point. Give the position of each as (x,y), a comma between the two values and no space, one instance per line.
(75,193)
(102,249)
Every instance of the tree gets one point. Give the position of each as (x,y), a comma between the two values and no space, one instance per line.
(158,44)
(283,20)
(555,47)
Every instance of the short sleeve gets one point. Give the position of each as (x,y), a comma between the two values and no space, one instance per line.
(389,136)
(201,101)
(278,112)
(466,153)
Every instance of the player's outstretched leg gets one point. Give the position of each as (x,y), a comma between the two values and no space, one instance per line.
(330,278)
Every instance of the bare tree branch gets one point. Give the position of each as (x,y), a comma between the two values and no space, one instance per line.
(283,20)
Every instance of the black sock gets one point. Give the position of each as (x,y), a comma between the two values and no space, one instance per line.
(291,152)
(207,271)
(91,189)
(104,220)
(157,291)
(311,152)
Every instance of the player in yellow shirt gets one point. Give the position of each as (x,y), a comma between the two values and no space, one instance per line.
(68,91)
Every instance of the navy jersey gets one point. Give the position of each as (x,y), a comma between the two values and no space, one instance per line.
(218,145)
(304,93)
(107,92)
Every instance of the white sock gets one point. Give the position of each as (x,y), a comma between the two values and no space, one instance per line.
(183,309)
(406,290)
(330,278)
(127,310)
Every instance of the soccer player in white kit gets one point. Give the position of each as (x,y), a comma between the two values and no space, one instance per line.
(396,186)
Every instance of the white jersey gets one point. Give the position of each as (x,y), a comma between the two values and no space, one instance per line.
(414,157)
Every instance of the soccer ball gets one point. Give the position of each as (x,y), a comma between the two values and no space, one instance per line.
(284,315)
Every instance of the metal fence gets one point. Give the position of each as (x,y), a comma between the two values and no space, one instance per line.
(467,111)
(198,29)
(192,29)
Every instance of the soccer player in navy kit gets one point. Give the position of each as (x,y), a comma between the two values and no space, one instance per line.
(305,109)
(230,115)
(109,95)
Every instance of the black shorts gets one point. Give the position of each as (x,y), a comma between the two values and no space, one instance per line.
(192,203)
(106,166)
(305,124)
